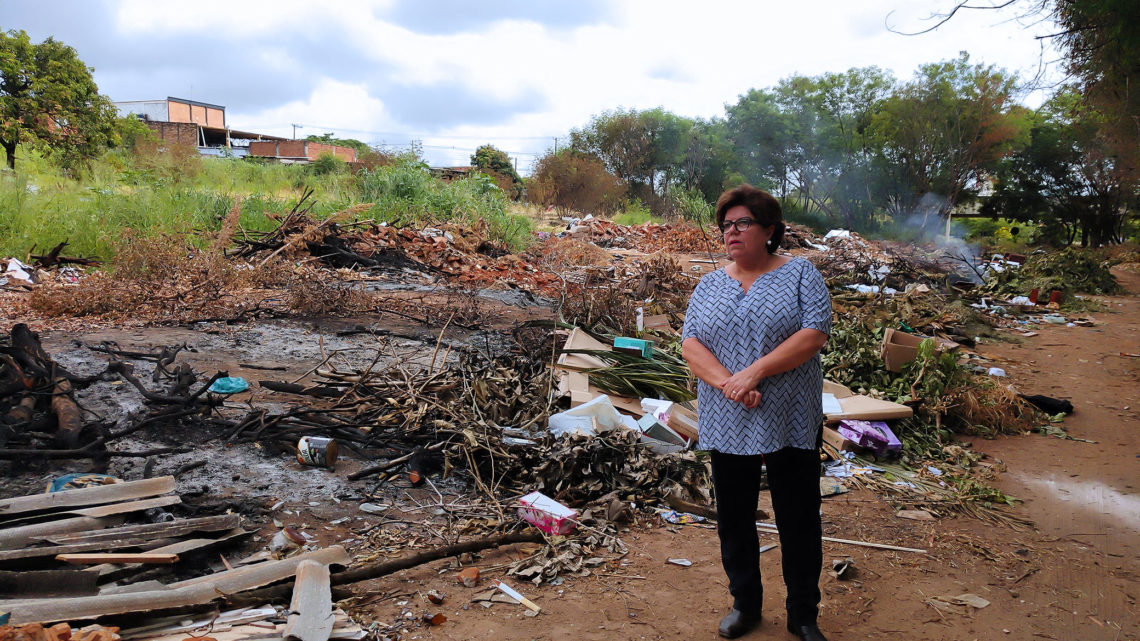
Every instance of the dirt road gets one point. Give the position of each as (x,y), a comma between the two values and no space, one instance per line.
(1076,577)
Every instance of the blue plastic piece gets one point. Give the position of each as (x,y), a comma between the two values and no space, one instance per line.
(229,385)
(79,480)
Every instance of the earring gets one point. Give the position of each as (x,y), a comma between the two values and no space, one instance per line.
(770,243)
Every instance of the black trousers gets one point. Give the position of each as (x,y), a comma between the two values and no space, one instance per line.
(793,480)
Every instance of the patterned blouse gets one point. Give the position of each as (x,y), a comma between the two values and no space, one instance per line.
(739,327)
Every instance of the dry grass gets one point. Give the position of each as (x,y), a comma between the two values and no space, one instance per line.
(159,277)
(559,252)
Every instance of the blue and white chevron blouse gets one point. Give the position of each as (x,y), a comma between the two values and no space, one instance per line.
(739,327)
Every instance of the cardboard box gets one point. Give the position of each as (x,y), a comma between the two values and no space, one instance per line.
(635,346)
(546,514)
(900,348)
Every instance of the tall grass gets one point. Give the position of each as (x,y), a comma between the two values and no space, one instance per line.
(406,193)
(162,192)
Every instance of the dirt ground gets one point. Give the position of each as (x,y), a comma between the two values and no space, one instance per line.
(1074,577)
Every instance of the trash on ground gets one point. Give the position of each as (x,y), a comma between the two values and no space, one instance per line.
(546,514)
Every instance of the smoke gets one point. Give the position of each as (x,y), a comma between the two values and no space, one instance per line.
(927,225)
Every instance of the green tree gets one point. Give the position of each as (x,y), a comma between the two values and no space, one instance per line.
(48,97)
(810,140)
(497,164)
(1066,176)
(328,139)
(645,149)
(943,131)
(1102,40)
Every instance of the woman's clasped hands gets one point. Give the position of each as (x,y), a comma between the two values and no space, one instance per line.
(741,388)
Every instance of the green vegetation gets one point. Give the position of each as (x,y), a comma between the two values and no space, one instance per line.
(635,213)
(48,98)
(1066,270)
(497,164)
(176,191)
(406,193)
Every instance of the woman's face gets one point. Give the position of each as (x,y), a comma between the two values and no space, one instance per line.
(749,244)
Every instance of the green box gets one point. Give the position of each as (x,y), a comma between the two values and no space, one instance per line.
(640,347)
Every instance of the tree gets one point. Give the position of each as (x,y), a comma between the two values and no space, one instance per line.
(943,131)
(810,139)
(573,180)
(1066,176)
(644,149)
(1102,38)
(328,139)
(48,97)
(497,164)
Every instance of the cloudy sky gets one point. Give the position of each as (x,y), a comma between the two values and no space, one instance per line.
(514,73)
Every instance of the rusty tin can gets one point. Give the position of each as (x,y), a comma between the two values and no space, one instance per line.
(317,451)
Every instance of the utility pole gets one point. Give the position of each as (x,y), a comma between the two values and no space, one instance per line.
(556,144)
(295,128)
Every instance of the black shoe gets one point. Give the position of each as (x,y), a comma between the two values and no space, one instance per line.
(807,632)
(737,623)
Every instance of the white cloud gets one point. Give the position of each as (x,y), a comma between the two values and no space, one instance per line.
(689,58)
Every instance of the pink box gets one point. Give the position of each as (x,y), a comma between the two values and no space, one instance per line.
(546,514)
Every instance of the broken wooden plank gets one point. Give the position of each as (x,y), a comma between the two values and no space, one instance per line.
(186,593)
(118,557)
(17,537)
(53,550)
(95,512)
(97,495)
(139,586)
(311,617)
(125,508)
(47,583)
(153,530)
(176,625)
(334,555)
(240,625)
(112,571)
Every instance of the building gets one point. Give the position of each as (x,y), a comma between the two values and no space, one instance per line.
(299,150)
(203,125)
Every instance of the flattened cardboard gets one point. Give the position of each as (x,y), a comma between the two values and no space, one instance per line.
(858,406)
(581,340)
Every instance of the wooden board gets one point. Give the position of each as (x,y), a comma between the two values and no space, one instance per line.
(111,571)
(110,557)
(97,495)
(186,593)
(13,538)
(311,607)
(47,583)
(53,550)
(242,626)
(96,512)
(153,530)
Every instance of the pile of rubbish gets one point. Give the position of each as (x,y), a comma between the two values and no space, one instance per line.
(552,436)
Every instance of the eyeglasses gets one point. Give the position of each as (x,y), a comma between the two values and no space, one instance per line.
(741,224)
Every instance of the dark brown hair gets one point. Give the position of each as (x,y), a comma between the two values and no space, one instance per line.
(763,206)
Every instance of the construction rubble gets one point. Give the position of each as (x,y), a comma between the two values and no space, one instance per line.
(461,380)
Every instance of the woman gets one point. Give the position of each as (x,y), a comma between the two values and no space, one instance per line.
(752,336)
